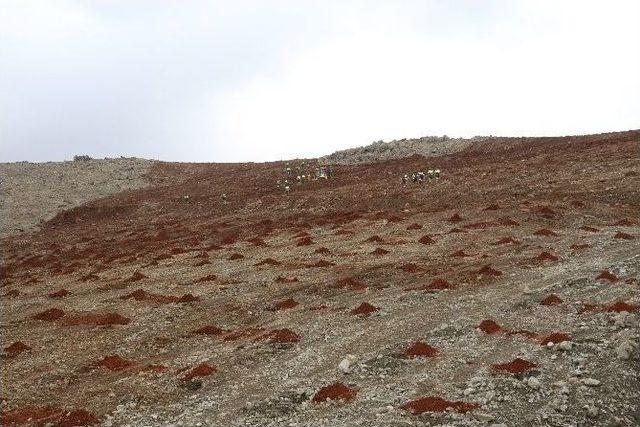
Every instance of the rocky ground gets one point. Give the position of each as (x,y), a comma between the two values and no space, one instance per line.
(504,294)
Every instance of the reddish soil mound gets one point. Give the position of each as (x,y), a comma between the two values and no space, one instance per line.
(420,349)
(16,348)
(625,236)
(590,229)
(322,263)
(556,337)
(379,252)
(492,207)
(437,285)
(459,254)
(202,370)
(305,241)
(284,305)
(283,336)
(437,404)
(268,261)
(546,212)
(621,306)
(506,240)
(350,282)
(606,275)
(625,222)
(209,330)
(410,268)
(135,277)
(155,369)
(579,247)
(59,294)
(207,278)
(516,366)
(79,417)
(50,315)
(364,309)
(426,240)
(488,326)
(552,299)
(375,239)
(455,218)
(487,270)
(97,319)
(323,251)
(508,222)
(545,232)
(456,230)
(281,279)
(334,392)
(201,263)
(113,363)
(482,225)
(30,415)
(546,256)
(235,256)
(142,295)
(414,226)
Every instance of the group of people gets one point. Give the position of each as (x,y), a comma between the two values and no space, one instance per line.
(300,174)
(420,176)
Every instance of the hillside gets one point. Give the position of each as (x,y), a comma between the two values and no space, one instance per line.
(504,294)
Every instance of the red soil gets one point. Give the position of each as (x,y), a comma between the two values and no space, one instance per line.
(114,363)
(208,278)
(30,415)
(305,241)
(456,230)
(409,268)
(426,240)
(545,232)
(375,239)
(336,391)
(546,256)
(606,275)
(79,417)
(625,236)
(506,240)
(201,263)
(59,294)
(590,229)
(455,218)
(516,366)
(621,306)
(487,270)
(209,330)
(322,263)
(364,309)
(350,282)
(459,254)
(414,226)
(437,404)
(135,277)
(379,251)
(508,222)
(579,246)
(552,299)
(155,369)
(268,261)
(281,279)
(284,305)
(16,348)
(488,326)
(556,337)
(437,285)
(235,256)
(625,222)
(546,211)
(50,315)
(97,319)
(283,336)
(323,251)
(202,370)
(420,349)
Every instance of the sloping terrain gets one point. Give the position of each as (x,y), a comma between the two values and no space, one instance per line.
(507,292)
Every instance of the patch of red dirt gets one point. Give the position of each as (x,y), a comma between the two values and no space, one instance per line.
(364,309)
(155,369)
(490,327)
(284,305)
(546,212)
(546,256)
(201,263)
(456,230)
(334,392)
(556,337)
(459,254)
(210,330)
(375,239)
(282,279)
(508,222)
(606,275)
(579,247)
(625,222)
(30,415)
(505,241)
(379,252)
(545,232)
(589,229)
(235,256)
(113,363)
(305,241)
(207,278)
(420,349)
(97,319)
(437,404)
(455,218)
(426,240)
(414,226)
(350,282)
(142,295)
(202,370)
(78,417)
(437,285)
(323,251)
(487,270)
(625,236)
(283,336)
(268,261)
(50,315)
(552,299)
(59,294)
(410,267)
(516,366)
(135,277)
(16,348)
(322,263)
(621,306)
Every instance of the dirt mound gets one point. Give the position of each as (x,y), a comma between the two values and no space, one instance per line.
(97,319)
(420,349)
(364,309)
(335,392)
(50,315)
(114,363)
(552,299)
(209,330)
(16,348)
(284,305)
(489,326)
(555,338)
(516,366)
(202,370)
(426,240)
(283,336)
(379,252)
(437,404)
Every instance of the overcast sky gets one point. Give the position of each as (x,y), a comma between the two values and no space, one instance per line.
(262,80)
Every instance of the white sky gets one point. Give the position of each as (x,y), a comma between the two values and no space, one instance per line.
(264,80)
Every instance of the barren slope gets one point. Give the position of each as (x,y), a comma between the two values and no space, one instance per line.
(151,308)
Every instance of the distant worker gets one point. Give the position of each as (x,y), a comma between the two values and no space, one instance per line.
(405,178)
(436,173)
(223,196)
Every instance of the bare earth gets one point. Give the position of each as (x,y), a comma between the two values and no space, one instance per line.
(505,294)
